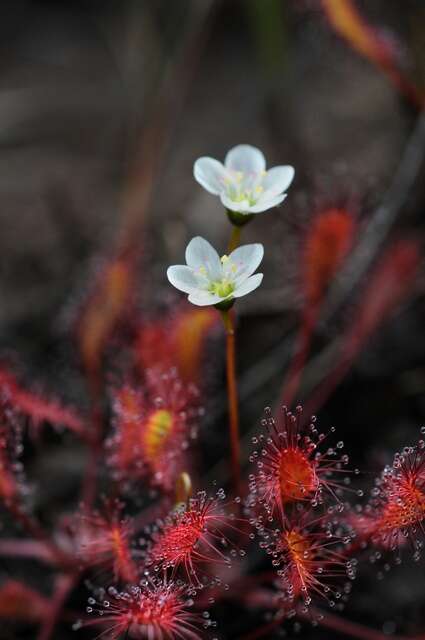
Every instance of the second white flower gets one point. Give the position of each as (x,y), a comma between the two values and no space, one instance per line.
(211,280)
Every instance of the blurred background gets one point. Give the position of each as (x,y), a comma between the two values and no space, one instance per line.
(104,107)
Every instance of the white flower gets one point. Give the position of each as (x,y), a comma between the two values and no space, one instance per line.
(211,280)
(243,184)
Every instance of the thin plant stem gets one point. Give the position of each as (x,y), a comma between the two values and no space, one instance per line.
(232,396)
(235,239)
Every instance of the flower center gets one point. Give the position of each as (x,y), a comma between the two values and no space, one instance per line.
(245,187)
(158,429)
(222,288)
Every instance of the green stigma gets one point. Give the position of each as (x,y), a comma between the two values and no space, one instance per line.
(222,288)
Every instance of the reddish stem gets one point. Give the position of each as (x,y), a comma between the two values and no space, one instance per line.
(232,396)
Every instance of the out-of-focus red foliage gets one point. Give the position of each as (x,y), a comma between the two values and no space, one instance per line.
(37,408)
(9,487)
(104,541)
(177,341)
(104,308)
(389,284)
(329,239)
(19,602)
(351,25)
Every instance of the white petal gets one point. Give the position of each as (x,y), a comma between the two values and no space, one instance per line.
(248,285)
(247,259)
(265,203)
(199,253)
(246,159)
(240,207)
(182,278)
(203,298)
(210,174)
(278,179)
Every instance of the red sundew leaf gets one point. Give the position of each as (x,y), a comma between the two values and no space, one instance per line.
(104,540)
(157,609)
(191,536)
(153,429)
(308,553)
(353,27)
(395,514)
(19,602)
(37,408)
(294,465)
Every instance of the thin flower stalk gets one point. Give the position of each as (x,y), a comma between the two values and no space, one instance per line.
(232,398)
(235,238)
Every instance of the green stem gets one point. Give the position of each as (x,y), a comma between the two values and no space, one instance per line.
(235,239)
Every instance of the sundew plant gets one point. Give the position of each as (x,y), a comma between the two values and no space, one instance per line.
(178,480)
